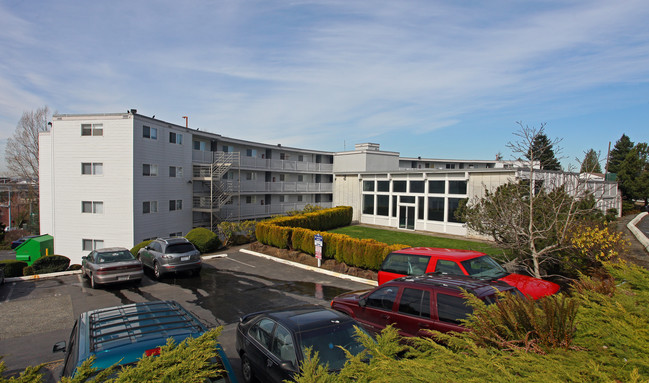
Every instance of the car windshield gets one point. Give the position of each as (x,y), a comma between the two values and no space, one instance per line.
(178,248)
(484,267)
(325,342)
(115,256)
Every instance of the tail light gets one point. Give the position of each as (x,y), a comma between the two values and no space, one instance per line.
(118,268)
(152,352)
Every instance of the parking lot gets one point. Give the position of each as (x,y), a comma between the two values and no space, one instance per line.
(36,314)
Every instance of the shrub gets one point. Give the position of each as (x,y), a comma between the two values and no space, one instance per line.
(28,270)
(51,264)
(204,239)
(13,268)
(237,233)
(74,267)
(140,245)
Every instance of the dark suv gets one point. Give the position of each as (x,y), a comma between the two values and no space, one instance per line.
(123,334)
(170,255)
(418,303)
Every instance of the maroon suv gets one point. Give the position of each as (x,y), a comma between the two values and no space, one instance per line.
(418,303)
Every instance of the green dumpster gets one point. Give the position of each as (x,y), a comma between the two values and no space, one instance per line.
(34,248)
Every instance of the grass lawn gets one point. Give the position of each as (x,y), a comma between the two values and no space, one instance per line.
(416,240)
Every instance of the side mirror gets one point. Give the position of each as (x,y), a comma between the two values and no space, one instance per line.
(59,346)
(287,365)
(362,302)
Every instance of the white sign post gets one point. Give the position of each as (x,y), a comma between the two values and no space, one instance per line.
(317,239)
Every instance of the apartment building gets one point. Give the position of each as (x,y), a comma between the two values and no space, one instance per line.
(117,179)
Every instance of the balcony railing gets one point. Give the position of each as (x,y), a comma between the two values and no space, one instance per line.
(200,156)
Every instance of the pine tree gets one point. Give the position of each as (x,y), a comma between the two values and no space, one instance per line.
(591,163)
(633,173)
(543,152)
(622,147)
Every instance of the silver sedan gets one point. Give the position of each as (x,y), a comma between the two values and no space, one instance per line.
(111,265)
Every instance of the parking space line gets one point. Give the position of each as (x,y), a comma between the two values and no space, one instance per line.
(243,263)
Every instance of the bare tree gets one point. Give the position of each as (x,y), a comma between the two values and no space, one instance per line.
(532,217)
(21,152)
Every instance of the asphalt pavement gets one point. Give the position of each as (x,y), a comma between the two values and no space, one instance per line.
(38,313)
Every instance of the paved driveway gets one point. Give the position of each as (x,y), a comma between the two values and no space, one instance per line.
(36,314)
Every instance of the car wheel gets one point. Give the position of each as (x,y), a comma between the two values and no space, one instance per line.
(246,370)
(93,284)
(156,270)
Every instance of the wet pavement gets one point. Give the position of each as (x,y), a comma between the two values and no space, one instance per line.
(643,225)
(36,314)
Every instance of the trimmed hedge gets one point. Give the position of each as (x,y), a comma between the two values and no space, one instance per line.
(204,239)
(51,264)
(297,232)
(140,245)
(13,268)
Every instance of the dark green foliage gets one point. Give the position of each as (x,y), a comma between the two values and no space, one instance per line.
(237,233)
(591,163)
(29,375)
(622,147)
(204,239)
(74,267)
(140,245)
(51,264)
(542,151)
(633,174)
(29,270)
(13,268)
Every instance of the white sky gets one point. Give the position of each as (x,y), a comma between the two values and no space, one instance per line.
(424,78)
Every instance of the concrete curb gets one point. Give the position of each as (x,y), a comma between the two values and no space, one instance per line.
(638,234)
(312,268)
(42,276)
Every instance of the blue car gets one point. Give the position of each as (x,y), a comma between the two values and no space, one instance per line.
(123,334)
(22,240)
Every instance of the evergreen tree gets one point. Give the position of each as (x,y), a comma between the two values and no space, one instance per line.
(591,163)
(543,152)
(622,147)
(633,173)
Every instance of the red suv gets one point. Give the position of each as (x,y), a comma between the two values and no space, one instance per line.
(421,260)
(419,303)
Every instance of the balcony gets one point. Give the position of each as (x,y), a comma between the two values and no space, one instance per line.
(206,157)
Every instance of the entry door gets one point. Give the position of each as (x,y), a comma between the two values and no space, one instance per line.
(407,217)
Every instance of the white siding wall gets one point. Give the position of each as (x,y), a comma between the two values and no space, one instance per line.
(347,192)
(161,188)
(45,185)
(69,188)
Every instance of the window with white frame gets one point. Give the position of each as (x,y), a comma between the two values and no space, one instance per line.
(91,244)
(299,198)
(200,145)
(282,198)
(251,176)
(92,129)
(300,178)
(251,152)
(283,156)
(176,234)
(228,148)
(175,171)
(149,170)
(175,204)
(251,199)
(282,177)
(149,207)
(92,168)
(300,158)
(175,138)
(92,207)
(149,132)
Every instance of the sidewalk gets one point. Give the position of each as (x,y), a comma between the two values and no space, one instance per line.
(637,252)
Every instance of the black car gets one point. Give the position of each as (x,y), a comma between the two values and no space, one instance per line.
(22,240)
(271,344)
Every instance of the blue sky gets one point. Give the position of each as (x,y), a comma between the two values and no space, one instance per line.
(424,78)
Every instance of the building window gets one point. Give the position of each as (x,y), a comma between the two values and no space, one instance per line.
(177,234)
(228,148)
(282,198)
(300,178)
(92,129)
(149,132)
(417,186)
(282,177)
(149,207)
(394,206)
(93,168)
(175,171)
(457,187)
(436,187)
(368,185)
(450,166)
(436,209)
(175,204)
(383,186)
(149,170)
(453,204)
(399,186)
(175,138)
(200,145)
(251,176)
(92,207)
(283,156)
(92,244)
(420,208)
(368,203)
(382,205)
(299,198)
(300,158)
(251,152)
